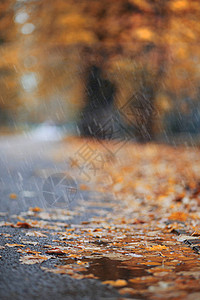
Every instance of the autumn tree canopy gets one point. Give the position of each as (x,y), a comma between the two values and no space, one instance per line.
(49,45)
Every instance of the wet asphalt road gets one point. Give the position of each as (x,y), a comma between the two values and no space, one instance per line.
(20,160)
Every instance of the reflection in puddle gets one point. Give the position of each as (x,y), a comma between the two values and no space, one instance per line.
(107,269)
(136,277)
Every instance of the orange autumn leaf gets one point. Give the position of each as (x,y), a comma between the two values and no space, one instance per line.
(14,245)
(179,216)
(83,187)
(196,233)
(144,34)
(13,196)
(157,248)
(23,225)
(117,283)
(55,251)
(36,209)
(33,259)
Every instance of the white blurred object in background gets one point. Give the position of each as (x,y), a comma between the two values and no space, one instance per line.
(47,131)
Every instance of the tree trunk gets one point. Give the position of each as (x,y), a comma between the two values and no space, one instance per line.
(99,105)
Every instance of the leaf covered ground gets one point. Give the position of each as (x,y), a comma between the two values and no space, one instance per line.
(134,223)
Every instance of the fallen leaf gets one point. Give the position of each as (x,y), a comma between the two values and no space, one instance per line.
(23,225)
(33,259)
(13,196)
(36,233)
(35,209)
(29,242)
(117,283)
(157,248)
(179,216)
(14,245)
(55,251)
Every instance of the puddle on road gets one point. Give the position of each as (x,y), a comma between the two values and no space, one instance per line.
(138,275)
(110,269)
(107,269)
(152,269)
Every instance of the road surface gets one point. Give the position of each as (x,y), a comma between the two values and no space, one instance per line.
(25,162)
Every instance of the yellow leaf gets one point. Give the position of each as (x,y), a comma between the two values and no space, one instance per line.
(117,283)
(144,34)
(156,248)
(179,4)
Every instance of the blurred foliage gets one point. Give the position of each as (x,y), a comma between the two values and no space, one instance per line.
(46,47)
